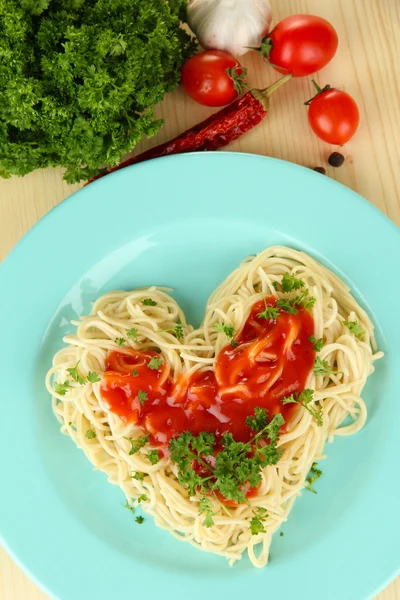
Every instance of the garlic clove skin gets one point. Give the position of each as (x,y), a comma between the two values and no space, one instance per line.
(229,25)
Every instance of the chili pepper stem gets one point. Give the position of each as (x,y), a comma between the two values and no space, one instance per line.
(264,95)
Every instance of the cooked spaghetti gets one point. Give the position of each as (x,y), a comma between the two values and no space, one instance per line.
(276,369)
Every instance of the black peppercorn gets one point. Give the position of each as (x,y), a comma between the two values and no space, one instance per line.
(336,159)
(320,170)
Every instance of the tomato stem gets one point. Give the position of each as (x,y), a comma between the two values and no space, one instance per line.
(319,91)
(264,95)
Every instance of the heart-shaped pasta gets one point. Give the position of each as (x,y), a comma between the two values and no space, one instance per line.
(215,431)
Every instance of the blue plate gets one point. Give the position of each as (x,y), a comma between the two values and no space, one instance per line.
(186,222)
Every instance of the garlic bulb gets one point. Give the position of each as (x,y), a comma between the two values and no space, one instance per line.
(229,25)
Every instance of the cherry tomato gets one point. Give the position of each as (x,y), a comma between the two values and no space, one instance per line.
(204,78)
(301,45)
(333,116)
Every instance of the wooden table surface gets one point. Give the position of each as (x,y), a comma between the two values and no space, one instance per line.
(366,65)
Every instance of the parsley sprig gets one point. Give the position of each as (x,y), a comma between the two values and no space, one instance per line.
(355,328)
(177,330)
(257,522)
(304,399)
(61,388)
(313,475)
(236,464)
(321,367)
(137,444)
(133,334)
(289,283)
(290,305)
(225,328)
(317,344)
(206,508)
(73,371)
(148,302)
(269,312)
(155,363)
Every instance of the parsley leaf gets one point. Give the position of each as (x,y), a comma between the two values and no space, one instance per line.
(61,388)
(129,507)
(259,421)
(205,507)
(120,341)
(304,399)
(355,329)
(133,334)
(287,306)
(142,396)
(314,474)
(148,302)
(153,456)
(269,312)
(289,283)
(177,330)
(135,373)
(317,344)
(321,367)
(138,476)
(155,363)
(138,444)
(90,434)
(139,519)
(256,523)
(225,328)
(93,377)
(142,498)
(290,305)
(73,371)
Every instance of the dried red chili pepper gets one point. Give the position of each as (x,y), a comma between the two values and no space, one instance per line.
(217,131)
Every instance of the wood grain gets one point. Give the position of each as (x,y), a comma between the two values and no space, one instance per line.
(366,65)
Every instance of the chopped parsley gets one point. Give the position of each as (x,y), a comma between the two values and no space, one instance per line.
(142,498)
(155,363)
(148,302)
(139,519)
(133,334)
(137,444)
(304,399)
(93,377)
(225,328)
(134,373)
(206,508)
(355,328)
(61,388)
(142,396)
(237,464)
(120,341)
(90,434)
(281,534)
(313,475)
(321,367)
(138,476)
(316,344)
(256,523)
(289,283)
(153,456)
(73,371)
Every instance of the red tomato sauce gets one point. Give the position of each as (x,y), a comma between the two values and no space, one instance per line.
(272,359)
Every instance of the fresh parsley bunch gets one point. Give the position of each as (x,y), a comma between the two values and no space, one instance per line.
(79,78)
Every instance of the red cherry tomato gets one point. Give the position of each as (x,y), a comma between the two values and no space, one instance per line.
(302,45)
(204,78)
(333,116)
